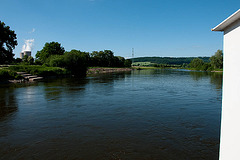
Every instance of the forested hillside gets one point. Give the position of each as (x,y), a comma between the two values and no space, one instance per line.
(169,60)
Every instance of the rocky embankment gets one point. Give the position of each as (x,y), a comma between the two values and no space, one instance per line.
(26,78)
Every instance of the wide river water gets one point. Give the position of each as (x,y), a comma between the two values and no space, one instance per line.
(137,115)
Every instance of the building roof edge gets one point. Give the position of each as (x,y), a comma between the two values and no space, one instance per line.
(231,19)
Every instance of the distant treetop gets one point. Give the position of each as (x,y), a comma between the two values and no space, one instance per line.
(8,41)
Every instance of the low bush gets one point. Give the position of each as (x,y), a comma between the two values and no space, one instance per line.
(39,70)
(6,74)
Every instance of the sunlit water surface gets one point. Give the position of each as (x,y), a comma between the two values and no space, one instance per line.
(147,114)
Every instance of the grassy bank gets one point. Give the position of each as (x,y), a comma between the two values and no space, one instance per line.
(39,70)
(6,74)
(10,73)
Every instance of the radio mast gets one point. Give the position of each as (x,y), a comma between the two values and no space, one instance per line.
(132,55)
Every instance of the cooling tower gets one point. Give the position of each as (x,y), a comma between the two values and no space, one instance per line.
(22,54)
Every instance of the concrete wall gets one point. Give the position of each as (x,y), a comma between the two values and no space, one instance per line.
(230,127)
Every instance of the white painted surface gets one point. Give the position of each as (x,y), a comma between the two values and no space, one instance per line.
(230,123)
(231,19)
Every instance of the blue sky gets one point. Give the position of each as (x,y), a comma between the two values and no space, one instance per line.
(169,28)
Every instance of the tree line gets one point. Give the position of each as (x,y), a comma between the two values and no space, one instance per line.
(54,55)
(168,60)
(215,62)
(8,41)
(76,61)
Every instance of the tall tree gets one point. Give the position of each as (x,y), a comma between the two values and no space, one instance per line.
(8,41)
(217,60)
(102,58)
(49,49)
(196,63)
(76,62)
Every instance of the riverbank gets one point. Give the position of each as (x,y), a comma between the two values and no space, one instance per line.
(47,72)
(55,72)
(100,70)
(190,69)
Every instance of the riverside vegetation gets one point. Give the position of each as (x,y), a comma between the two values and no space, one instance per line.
(213,63)
(53,60)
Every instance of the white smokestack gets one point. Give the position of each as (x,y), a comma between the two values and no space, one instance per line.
(28,45)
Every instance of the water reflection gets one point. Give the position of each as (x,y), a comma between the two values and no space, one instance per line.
(7,101)
(147,114)
(152,71)
(109,78)
(55,89)
(216,78)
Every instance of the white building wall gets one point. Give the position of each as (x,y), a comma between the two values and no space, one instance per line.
(21,55)
(28,53)
(230,127)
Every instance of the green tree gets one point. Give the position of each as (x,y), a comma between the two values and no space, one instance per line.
(8,41)
(217,60)
(102,58)
(49,49)
(56,61)
(18,60)
(25,58)
(108,56)
(76,62)
(30,60)
(118,61)
(128,63)
(196,63)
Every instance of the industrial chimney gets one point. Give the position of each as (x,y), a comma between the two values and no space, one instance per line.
(27,47)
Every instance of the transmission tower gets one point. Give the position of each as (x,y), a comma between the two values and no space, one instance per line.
(132,55)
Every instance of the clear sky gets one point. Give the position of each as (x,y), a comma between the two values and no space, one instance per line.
(175,28)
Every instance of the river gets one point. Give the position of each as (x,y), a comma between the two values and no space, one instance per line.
(142,115)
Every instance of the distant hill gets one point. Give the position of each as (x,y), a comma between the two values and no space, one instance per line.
(169,60)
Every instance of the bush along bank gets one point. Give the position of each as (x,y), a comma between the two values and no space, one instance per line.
(6,74)
(43,71)
(27,73)
(215,64)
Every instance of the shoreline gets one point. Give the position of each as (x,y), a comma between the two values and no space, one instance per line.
(101,70)
(90,71)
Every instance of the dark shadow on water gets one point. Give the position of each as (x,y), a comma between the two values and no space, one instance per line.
(109,77)
(55,88)
(8,103)
(216,78)
(152,71)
